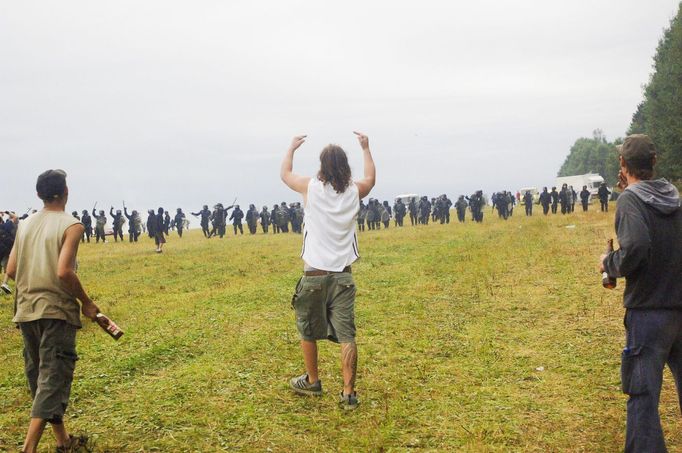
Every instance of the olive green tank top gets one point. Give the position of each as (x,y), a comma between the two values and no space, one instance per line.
(39,292)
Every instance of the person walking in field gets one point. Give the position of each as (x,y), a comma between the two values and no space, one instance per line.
(603,194)
(8,231)
(159,229)
(362,214)
(205,214)
(461,207)
(324,300)
(545,200)
(100,220)
(528,203)
(118,221)
(265,219)
(274,219)
(236,217)
(585,198)
(412,208)
(554,197)
(565,199)
(42,262)
(649,229)
(179,221)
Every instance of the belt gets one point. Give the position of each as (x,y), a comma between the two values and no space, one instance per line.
(318,273)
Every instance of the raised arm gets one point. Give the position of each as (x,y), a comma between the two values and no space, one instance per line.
(366,184)
(295,182)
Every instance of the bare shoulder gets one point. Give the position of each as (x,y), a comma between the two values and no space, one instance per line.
(76,229)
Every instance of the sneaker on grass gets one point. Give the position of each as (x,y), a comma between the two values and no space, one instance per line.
(349,402)
(77,444)
(301,386)
(6,289)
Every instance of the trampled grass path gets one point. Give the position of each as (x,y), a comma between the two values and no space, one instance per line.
(454,323)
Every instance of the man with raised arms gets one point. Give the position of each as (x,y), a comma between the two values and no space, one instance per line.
(324,300)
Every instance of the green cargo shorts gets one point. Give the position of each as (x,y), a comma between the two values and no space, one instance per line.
(325,307)
(49,362)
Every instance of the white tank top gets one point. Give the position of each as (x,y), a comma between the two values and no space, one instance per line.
(329,239)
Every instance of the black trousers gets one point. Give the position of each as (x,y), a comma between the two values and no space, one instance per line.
(118,233)
(653,339)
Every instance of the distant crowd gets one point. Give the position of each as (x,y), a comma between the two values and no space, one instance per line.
(565,198)
(284,218)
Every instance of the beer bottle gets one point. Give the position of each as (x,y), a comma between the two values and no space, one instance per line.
(109,326)
(607,281)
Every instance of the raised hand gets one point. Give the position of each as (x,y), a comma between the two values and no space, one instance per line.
(622,181)
(296,142)
(363,139)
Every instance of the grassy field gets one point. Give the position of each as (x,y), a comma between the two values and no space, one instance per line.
(493,337)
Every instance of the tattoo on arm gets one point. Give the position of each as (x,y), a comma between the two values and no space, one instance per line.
(349,361)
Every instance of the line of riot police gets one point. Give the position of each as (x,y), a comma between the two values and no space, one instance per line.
(96,224)
(289,217)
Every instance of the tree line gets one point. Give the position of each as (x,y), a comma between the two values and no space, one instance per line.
(659,115)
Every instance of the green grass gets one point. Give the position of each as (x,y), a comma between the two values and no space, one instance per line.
(453,322)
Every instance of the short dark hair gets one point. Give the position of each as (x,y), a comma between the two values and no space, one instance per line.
(51,185)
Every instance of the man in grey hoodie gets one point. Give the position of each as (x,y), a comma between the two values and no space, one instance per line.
(649,229)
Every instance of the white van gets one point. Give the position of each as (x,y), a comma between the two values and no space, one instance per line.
(533,191)
(407,197)
(591,180)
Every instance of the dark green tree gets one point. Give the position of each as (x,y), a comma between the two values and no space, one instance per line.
(592,155)
(660,114)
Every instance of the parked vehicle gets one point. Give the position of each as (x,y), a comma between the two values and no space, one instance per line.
(591,180)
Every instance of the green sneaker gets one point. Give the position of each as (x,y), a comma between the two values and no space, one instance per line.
(301,386)
(349,402)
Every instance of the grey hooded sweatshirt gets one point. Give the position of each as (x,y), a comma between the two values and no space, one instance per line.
(649,230)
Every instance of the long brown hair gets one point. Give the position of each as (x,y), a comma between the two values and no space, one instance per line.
(334,168)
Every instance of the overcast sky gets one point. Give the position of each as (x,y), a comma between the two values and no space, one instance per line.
(177,104)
